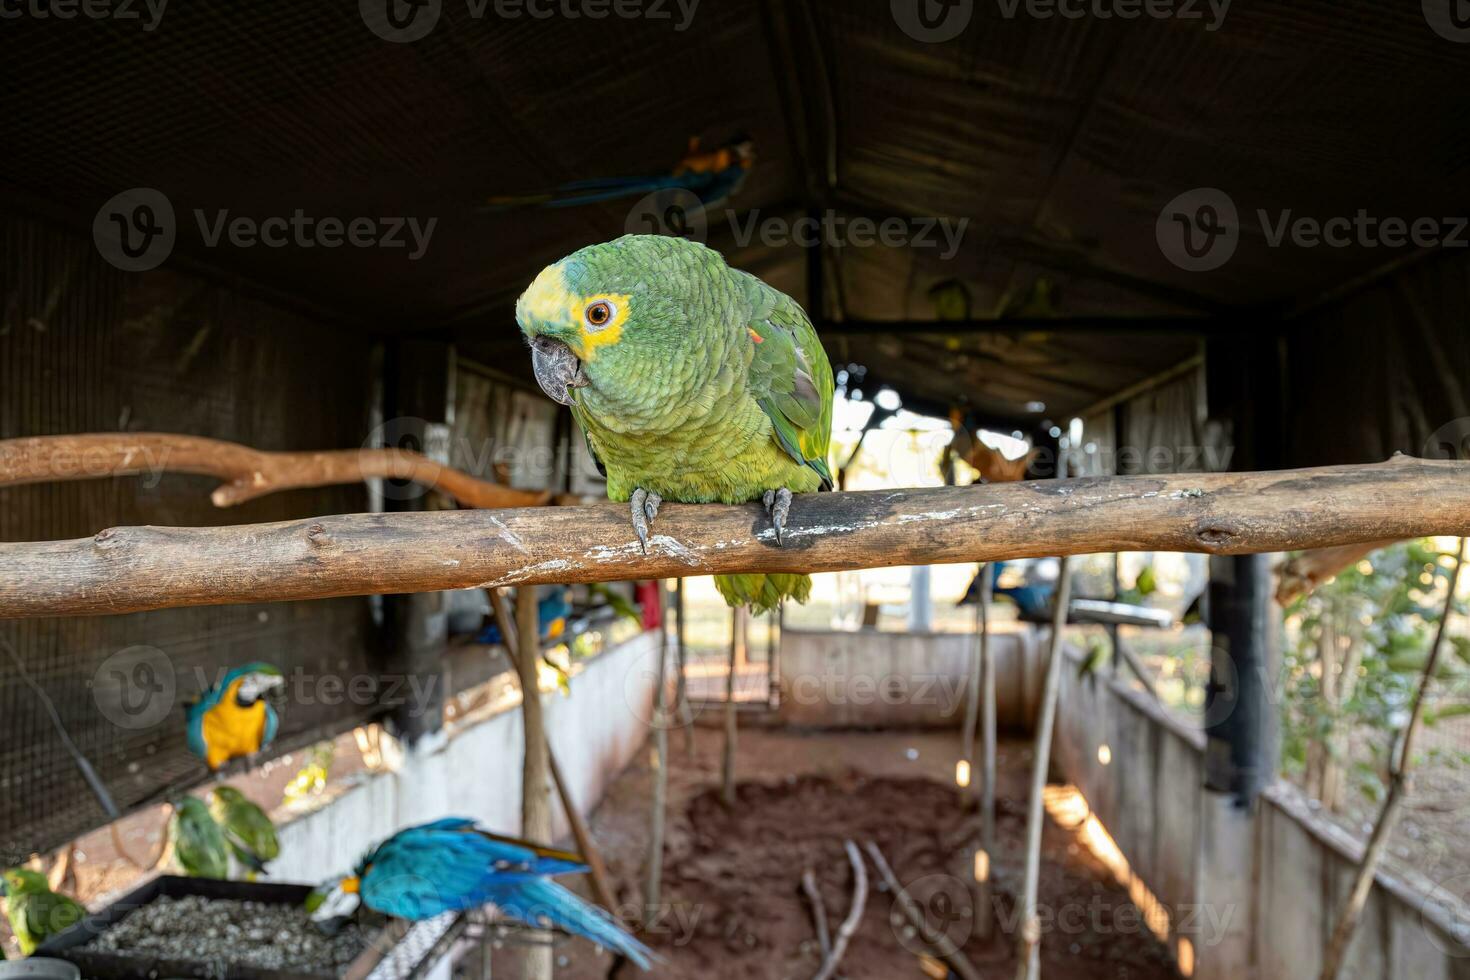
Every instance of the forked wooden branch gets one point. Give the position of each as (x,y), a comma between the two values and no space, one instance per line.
(1305,572)
(246,473)
(854,913)
(819,911)
(946,947)
(129,569)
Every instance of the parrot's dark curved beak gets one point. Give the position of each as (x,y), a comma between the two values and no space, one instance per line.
(557,369)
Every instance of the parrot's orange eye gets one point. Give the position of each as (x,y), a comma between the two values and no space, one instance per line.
(599,314)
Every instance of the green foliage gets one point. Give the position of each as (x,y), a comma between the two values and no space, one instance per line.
(1145,585)
(1376,619)
(311,780)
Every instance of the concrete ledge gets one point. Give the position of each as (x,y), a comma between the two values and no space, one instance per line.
(1290,869)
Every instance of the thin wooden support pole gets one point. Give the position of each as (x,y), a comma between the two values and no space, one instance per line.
(1029,944)
(1398,788)
(681,684)
(596,867)
(536,767)
(652,891)
(972,682)
(984,867)
(727,767)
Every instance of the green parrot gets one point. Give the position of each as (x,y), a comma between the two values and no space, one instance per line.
(198,842)
(692,382)
(35,911)
(250,833)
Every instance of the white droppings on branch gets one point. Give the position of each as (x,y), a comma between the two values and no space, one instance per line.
(526,572)
(509,536)
(676,550)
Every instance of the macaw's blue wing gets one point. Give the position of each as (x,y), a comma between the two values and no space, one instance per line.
(450,864)
(541,902)
(194,726)
(272,725)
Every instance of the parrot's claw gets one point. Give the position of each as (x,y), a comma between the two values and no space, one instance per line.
(778,505)
(645,508)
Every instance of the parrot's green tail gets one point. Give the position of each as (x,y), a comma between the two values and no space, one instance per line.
(762,593)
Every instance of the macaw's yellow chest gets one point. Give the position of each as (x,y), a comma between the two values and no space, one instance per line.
(232,731)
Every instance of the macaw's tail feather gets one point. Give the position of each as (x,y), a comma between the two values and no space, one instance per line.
(536,901)
(762,593)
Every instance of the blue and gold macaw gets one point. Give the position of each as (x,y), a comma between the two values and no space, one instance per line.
(713,176)
(452,865)
(232,719)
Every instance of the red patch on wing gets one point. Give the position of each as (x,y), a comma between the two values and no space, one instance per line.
(755,336)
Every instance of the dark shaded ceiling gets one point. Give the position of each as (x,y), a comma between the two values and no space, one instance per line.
(1059,141)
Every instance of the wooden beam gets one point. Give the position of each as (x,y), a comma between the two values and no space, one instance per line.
(129,569)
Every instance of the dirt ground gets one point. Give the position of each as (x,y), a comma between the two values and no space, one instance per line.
(732,904)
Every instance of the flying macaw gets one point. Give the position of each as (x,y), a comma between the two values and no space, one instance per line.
(233,720)
(35,911)
(198,843)
(249,832)
(713,176)
(452,865)
(692,381)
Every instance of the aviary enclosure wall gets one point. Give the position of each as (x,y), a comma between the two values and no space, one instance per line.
(85,348)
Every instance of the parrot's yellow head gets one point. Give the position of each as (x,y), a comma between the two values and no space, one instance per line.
(21,881)
(612,323)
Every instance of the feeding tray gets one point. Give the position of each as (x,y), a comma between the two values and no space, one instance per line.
(228,930)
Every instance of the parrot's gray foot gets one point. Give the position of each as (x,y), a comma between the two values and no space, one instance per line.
(778,505)
(645,509)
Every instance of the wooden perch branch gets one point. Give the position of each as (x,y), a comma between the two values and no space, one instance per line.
(137,568)
(247,473)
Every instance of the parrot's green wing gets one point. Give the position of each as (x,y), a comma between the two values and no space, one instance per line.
(199,844)
(251,834)
(790,377)
(37,916)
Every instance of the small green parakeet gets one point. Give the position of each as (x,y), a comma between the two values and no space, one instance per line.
(198,842)
(692,382)
(35,911)
(249,832)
